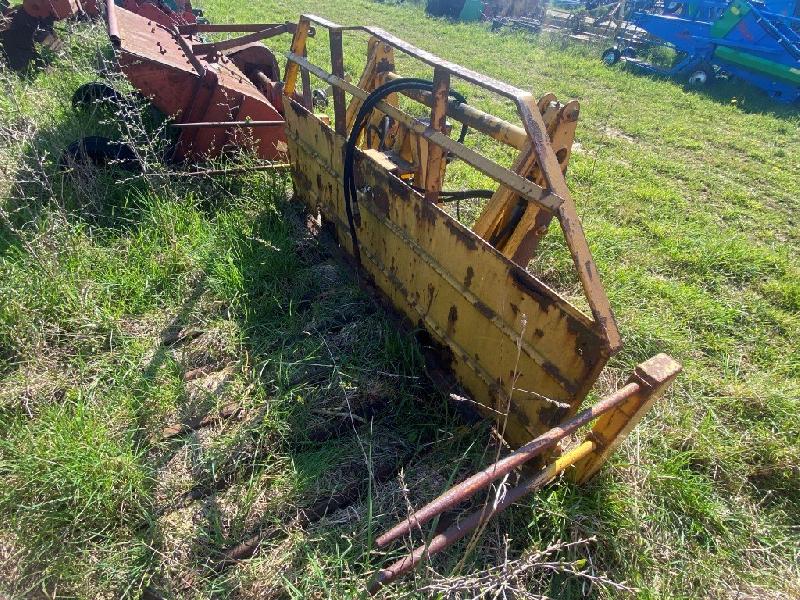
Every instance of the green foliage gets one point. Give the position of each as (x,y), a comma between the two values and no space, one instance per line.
(66,472)
(70,485)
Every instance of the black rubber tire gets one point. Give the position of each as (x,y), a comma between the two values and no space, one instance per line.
(96,93)
(700,76)
(100,152)
(610,56)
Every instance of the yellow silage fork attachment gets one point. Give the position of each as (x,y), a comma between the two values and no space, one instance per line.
(514,345)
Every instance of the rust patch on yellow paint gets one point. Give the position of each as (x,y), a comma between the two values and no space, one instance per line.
(468,278)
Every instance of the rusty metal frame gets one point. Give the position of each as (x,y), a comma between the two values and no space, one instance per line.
(269,31)
(564,353)
(226,124)
(558,374)
(531,381)
(539,146)
(215,97)
(192,28)
(205,87)
(561,392)
(514,181)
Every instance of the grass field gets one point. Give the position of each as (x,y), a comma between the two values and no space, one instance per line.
(128,305)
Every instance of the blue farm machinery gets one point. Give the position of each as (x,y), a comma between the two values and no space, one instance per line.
(757,42)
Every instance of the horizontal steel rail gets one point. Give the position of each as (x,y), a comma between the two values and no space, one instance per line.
(193,28)
(519,184)
(226,124)
(264,34)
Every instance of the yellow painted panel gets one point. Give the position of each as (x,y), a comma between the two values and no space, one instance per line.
(504,329)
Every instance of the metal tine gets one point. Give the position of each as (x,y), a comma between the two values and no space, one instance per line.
(469,487)
(479,517)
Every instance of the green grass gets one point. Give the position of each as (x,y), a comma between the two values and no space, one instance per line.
(689,201)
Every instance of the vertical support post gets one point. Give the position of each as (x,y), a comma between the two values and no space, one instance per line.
(366,80)
(524,241)
(436,155)
(305,78)
(496,214)
(299,48)
(337,69)
(653,376)
(570,222)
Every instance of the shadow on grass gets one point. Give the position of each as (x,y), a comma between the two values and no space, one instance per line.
(329,372)
(749,99)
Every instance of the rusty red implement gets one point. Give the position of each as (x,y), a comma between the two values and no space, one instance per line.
(222,95)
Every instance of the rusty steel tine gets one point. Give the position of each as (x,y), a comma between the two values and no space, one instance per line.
(479,517)
(501,468)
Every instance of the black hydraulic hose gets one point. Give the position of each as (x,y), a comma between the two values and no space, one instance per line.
(349,186)
(383,130)
(350,190)
(457,96)
(454,195)
(516,216)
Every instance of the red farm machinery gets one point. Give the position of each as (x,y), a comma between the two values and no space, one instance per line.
(24,26)
(219,95)
(221,91)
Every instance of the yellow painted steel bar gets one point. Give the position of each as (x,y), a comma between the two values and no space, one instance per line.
(495,127)
(507,331)
(537,132)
